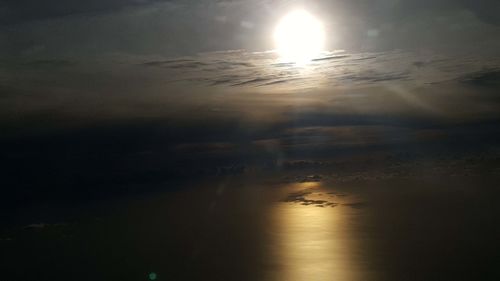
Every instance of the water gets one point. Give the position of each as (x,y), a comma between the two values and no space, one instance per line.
(268,229)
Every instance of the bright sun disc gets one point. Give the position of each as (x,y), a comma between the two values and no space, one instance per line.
(299,37)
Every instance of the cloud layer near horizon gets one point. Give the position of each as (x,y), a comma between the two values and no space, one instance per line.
(92,126)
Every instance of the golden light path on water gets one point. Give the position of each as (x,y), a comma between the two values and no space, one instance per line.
(315,243)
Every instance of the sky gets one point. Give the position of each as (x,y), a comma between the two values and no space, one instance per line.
(95,94)
(58,28)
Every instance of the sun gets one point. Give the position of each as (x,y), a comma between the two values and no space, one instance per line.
(299,37)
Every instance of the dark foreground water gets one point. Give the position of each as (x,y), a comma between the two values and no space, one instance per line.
(273,229)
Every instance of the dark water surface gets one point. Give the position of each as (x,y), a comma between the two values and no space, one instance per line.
(268,229)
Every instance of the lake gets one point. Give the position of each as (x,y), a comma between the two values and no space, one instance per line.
(273,227)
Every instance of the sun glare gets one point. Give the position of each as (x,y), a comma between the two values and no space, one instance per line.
(299,37)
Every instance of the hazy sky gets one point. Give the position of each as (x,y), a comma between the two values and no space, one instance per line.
(100,92)
(74,28)
(103,98)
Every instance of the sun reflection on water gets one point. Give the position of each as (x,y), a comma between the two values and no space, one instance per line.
(313,242)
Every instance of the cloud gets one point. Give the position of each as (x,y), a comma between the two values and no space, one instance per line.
(488,77)
(247,69)
(304,198)
(16,11)
(104,97)
(50,63)
(484,9)
(356,205)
